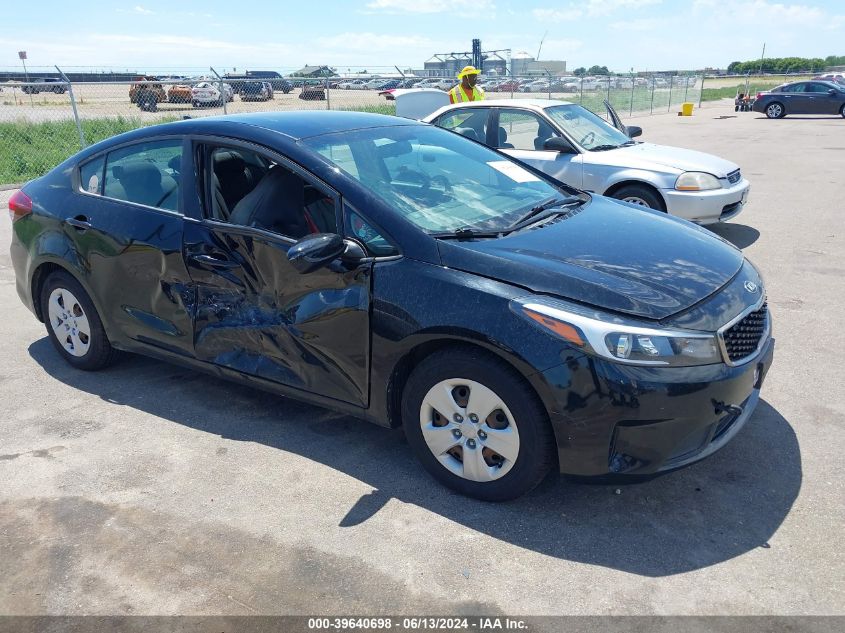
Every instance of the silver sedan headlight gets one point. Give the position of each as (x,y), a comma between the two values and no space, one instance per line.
(621,340)
(697,181)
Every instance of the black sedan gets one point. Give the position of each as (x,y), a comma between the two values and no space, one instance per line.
(404,274)
(802,97)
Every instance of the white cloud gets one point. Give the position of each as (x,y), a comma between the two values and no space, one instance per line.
(464,7)
(639,24)
(139,9)
(589,8)
(374,42)
(558,15)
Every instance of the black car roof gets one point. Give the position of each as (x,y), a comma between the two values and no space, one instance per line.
(296,124)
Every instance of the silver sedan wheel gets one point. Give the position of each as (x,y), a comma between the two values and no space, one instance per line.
(774,111)
(69,323)
(469,429)
(636,200)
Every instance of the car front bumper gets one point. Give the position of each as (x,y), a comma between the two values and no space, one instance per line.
(708,207)
(610,418)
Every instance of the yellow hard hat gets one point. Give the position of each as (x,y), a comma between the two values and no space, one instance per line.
(468,70)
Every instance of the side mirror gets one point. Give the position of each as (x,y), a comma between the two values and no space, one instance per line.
(558,144)
(633,131)
(315,251)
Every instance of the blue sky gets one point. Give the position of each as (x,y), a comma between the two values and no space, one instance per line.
(372,34)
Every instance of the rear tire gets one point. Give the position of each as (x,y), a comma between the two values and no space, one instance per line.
(640,195)
(73,324)
(460,453)
(842,110)
(775,110)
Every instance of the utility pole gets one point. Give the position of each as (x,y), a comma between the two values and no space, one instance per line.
(761,59)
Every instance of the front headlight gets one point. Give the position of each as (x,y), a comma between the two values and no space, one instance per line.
(697,181)
(617,339)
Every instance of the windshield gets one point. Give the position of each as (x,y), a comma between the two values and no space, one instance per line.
(436,179)
(589,130)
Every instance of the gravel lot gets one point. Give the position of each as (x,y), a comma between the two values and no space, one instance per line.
(150,489)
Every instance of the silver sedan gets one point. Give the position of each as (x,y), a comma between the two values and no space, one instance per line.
(579,148)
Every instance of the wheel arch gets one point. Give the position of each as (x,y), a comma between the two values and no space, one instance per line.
(610,191)
(403,367)
(43,271)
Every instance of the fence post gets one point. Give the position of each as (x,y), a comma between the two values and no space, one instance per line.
(608,89)
(581,98)
(701,91)
(633,83)
(651,110)
(223,96)
(328,92)
(73,105)
(686,88)
(671,83)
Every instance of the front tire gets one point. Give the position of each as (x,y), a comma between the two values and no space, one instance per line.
(73,324)
(476,426)
(639,195)
(842,110)
(775,110)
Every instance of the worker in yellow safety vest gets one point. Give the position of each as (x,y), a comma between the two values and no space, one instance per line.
(467,90)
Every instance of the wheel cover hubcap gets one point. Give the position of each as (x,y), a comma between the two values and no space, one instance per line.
(469,429)
(69,322)
(636,200)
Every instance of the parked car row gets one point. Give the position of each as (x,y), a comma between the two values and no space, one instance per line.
(148,93)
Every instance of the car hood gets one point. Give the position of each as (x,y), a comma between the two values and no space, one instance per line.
(663,158)
(610,255)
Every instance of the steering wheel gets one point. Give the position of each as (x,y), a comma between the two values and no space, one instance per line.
(589,137)
(412,175)
(441,180)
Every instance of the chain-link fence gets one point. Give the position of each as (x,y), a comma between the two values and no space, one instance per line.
(47,117)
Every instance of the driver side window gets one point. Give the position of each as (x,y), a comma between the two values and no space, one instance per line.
(248,188)
(523,130)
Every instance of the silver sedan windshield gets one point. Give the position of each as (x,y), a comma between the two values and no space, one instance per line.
(589,130)
(436,179)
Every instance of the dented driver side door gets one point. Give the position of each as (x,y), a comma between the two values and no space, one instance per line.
(256,314)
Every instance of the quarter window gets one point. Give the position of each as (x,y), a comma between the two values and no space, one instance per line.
(146,173)
(91,176)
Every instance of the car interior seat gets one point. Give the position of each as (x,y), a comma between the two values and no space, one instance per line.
(233,179)
(143,182)
(468,132)
(544,133)
(276,204)
(503,139)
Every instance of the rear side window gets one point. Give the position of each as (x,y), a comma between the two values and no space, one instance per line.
(146,173)
(91,176)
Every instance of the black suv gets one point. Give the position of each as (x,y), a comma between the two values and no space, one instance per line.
(45,84)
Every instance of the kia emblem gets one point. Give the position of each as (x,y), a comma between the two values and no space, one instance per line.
(750,286)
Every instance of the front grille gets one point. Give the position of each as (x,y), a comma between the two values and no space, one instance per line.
(743,338)
(734,177)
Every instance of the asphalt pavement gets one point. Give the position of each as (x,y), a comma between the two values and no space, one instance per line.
(151,489)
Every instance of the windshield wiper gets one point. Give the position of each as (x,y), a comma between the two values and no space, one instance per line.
(551,203)
(604,148)
(465,233)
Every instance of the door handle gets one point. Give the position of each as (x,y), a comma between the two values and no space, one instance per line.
(79,222)
(214,262)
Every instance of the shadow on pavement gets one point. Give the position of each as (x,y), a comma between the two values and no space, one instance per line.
(739,235)
(705,514)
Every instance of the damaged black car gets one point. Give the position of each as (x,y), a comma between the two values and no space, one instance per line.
(398,272)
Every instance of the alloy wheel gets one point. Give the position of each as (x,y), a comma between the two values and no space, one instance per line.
(774,111)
